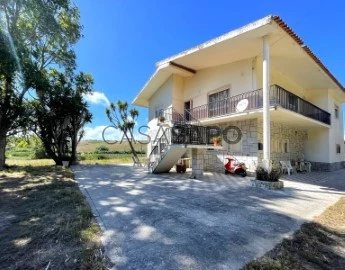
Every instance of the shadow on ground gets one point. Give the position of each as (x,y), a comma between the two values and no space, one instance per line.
(168,221)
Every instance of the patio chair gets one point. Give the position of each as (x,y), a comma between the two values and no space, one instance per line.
(286,166)
(136,162)
(307,166)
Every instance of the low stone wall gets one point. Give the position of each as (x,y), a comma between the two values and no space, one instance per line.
(327,167)
(267,185)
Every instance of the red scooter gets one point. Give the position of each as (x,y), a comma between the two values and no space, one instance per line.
(234,166)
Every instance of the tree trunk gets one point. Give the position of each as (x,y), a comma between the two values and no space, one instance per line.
(2,150)
(74,158)
(131,146)
(51,153)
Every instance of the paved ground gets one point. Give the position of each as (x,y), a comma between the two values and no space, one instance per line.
(168,221)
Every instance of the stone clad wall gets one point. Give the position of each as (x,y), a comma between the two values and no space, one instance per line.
(280,133)
(247,152)
(197,162)
(295,137)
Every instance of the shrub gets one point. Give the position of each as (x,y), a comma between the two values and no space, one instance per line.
(20,154)
(39,153)
(263,175)
(102,149)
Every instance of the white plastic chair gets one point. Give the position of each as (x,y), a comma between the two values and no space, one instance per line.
(286,166)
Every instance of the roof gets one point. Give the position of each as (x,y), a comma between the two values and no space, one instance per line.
(240,44)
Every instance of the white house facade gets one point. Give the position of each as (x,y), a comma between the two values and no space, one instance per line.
(261,87)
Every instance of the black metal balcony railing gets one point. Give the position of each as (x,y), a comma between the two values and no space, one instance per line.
(171,115)
(192,134)
(278,97)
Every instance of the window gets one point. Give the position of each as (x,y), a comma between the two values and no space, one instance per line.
(260,146)
(217,103)
(159,111)
(336,111)
(338,149)
(286,146)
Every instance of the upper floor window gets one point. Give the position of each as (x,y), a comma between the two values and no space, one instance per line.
(217,103)
(336,111)
(159,111)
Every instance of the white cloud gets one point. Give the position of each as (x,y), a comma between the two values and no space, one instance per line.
(96,133)
(110,134)
(97,98)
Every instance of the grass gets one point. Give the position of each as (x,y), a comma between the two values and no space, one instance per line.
(316,245)
(45,222)
(30,162)
(87,154)
(89,146)
(126,159)
(49,162)
(123,160)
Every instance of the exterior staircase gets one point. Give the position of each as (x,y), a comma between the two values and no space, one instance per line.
(178,136)
(165,155)
(167,159)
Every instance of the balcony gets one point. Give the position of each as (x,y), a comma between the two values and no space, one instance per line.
(279,97)
(187,134)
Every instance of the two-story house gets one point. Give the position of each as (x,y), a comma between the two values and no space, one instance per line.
(267,92)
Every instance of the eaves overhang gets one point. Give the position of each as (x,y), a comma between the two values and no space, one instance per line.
(188,62)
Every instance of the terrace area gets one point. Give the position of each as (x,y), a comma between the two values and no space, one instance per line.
(252,101)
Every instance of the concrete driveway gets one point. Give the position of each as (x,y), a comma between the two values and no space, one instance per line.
(168,221)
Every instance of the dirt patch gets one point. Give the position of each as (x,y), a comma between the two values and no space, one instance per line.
(45,222)
(317,245)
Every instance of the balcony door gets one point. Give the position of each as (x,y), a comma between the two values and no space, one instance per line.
(218,103)
(187,110)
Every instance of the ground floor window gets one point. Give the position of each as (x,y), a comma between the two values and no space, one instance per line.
(286,146)
(338,149)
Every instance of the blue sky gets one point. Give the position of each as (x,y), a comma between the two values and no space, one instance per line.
(123,39)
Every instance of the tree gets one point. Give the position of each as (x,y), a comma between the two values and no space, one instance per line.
(59,120)
(124,119)
(34,36)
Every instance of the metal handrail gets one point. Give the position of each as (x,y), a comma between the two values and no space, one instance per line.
(278,97)
(159,148)
(292,102)
(192,119)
